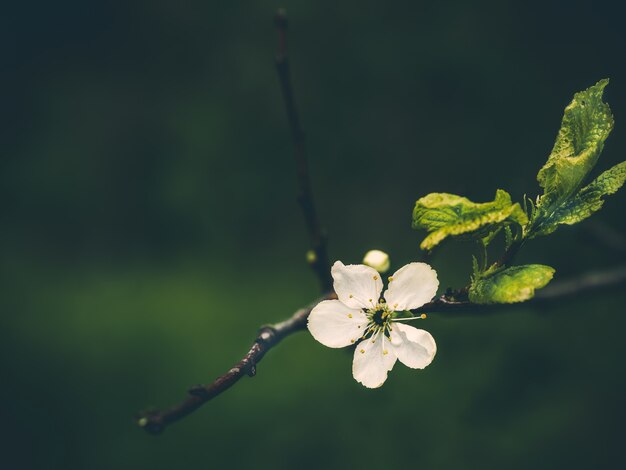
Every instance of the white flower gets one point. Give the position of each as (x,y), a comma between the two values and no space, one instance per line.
(362,315)
(379,260)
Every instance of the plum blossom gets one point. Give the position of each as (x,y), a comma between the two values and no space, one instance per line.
(361,315)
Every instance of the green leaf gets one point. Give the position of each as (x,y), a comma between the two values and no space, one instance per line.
(587,201)
(586,124)
(444,215)
(510,285)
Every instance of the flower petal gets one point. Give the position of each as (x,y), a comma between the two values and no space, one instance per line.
(372,361)
(415,348)
(356,285)
(335,325)
(411,286)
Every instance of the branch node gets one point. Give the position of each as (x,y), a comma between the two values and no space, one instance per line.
(252,370)
(266,333)
(151,423)
(280,18)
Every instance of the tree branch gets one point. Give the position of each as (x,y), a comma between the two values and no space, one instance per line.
(319,257)
(588,282)
(510,253)
(269,336)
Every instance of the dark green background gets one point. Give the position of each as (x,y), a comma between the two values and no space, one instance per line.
(148,226)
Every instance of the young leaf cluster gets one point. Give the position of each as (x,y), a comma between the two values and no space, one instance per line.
(444,215)
(509,285)
(586,124)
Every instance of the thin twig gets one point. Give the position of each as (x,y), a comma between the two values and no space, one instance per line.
(319,257)
(588,282)
(510,253)
(269,336)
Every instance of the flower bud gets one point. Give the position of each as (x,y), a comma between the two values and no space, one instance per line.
(311,257)
(379,260)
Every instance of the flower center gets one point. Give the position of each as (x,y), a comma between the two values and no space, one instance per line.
(379,320)
(378,317)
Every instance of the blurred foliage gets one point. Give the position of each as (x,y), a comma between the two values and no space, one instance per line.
(149,226)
